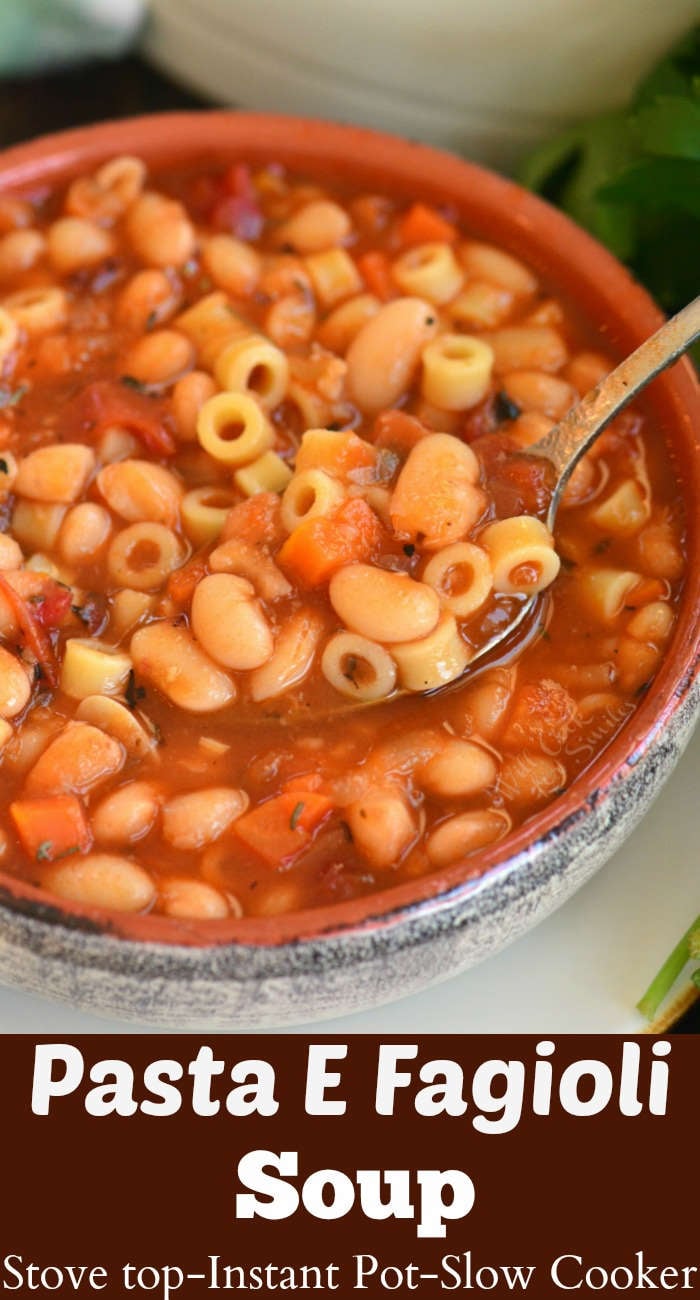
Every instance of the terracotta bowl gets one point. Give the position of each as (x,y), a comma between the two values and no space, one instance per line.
(272,971)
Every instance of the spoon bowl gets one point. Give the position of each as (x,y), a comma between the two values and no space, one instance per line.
(563,447)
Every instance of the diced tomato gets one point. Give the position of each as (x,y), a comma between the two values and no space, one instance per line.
(542,715)
(238,210)
(398,431)
(182,582)
(482,419)
(256,520)
(52,608)
(336,453)
(108,402)
(281,828)
(517,483)
(36,637)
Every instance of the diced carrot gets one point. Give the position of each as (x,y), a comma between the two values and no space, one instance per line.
(336,452)
(398,431)
(256,520)
(52,827)
(423,225)
(282,827)
(182,582)
(318,547)
(375,269)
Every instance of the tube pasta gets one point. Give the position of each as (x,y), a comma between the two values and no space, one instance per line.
(253,365)
(308,494)
(432,660)
(357,667)
(461,575)
(334,276)
(431,271)
(625,511)
(522,555)
(211,325)
(243,417)
(91,668)
(204,512)
(605,590)
(456,371)
(269,473)
(142,556)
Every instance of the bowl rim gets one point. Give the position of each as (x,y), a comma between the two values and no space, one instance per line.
(577,266)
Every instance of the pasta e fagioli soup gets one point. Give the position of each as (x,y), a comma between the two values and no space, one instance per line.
(263,481)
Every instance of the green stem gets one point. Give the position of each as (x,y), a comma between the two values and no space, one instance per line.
(667,976)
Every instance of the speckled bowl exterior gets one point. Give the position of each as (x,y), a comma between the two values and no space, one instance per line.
(263,972)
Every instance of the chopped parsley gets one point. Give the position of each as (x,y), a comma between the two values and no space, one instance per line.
(296,814)
(4,467)
(11,397)
(631,176)
(44,852)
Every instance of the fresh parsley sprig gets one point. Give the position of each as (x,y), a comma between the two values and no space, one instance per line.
(632,177)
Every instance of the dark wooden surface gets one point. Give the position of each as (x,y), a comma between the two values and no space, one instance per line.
(52,102)
(32,106)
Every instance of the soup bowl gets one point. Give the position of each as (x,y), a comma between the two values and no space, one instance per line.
(257,972)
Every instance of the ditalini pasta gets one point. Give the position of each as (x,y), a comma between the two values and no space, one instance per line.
(264,461)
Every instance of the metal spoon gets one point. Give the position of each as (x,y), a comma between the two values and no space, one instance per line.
(563,447)
(568,441)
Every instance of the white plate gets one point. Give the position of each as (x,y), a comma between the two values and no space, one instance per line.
(581,971)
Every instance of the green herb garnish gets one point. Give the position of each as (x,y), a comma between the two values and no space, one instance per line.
(662,983)
(4,467)
(632,177)
(11,397)
(296,814)
(44,851)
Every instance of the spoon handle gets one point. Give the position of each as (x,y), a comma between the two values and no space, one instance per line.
(567,441)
